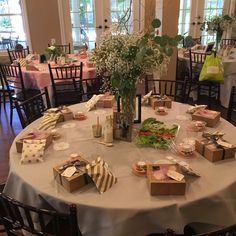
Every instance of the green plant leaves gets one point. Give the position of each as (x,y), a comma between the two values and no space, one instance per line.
(156,23)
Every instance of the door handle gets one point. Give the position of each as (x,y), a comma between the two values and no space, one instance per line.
(99,27)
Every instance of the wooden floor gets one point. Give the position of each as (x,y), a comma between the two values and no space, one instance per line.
(7,135)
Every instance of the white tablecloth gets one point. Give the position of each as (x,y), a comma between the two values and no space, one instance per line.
(230,80)
(128,208)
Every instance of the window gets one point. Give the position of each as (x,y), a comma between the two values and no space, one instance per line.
(11,24)
(193,12)
(184,17)
(83,23)
(211,8)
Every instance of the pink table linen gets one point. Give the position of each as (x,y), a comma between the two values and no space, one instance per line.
(40,79)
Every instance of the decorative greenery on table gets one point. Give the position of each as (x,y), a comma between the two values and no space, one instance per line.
(156,134)
(124,57)
(53,50)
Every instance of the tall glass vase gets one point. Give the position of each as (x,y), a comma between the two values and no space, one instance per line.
(219,34)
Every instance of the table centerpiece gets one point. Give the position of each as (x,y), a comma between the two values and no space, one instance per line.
(123,57)
(53,51)
(217,25)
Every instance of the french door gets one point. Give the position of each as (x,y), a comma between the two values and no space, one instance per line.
(194,12)
(90,18)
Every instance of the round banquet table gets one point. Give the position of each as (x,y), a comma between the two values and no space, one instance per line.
(128,208)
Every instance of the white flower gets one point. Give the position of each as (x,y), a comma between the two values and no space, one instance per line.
(52,48)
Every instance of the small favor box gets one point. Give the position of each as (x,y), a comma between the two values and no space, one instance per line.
(209,116)
(76,181)
(106,101)
(67,114)
(213,153)
(36,136)
(157,101)
(166,186)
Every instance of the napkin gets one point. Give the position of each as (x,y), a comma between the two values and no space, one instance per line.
(22,61)
(92,102)
(146,97)
(33,150)
(49,121)
(99,171)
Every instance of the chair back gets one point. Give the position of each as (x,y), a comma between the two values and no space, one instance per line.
(17,216)
(17,53)
(67,83)
(91,86)
(228,42)
(231,113)
(32,108)
(13,79)
(196,61)
(173,89)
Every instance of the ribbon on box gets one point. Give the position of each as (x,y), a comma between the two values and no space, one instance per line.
(216,139)
(101,175)
(194,108)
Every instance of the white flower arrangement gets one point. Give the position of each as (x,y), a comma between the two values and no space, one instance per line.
(218,24)
(125,57)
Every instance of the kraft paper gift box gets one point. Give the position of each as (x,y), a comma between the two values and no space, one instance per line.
(35,136)
(166,186)
(213,152)
(209,116)
(106,101)
(157,101)
(76,181)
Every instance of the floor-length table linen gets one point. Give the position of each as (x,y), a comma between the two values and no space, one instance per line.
(128,208)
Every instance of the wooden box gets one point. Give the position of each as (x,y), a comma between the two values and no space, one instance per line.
(156,101)
(75,182)
(41,135)
(106,101)
(209,116)
(164,187)
(212,153)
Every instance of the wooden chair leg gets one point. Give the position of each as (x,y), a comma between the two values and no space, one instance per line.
(0,103)
(4,100)
(11,111)
(209,97)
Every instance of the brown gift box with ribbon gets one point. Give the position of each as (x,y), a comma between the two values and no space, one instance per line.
(166,186)
(209,116)
(158,101)
(36,136)
(213,152)
(78,180)
(106,101)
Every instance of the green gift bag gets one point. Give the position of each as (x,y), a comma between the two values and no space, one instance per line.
(212,69)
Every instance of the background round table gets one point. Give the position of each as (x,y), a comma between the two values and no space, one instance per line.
(128,208)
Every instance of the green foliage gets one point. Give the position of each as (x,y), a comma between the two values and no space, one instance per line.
(126,56)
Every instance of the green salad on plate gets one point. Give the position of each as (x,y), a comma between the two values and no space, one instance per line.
(156,133)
